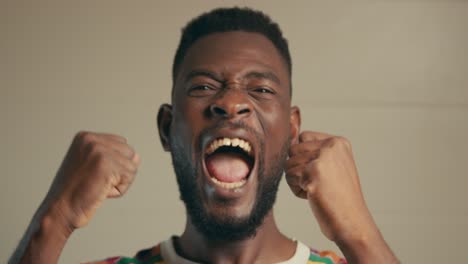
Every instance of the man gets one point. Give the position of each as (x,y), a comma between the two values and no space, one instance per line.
(232,132)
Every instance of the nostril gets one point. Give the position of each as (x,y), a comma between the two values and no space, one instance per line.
(229,110)
(243,111)
(218,110)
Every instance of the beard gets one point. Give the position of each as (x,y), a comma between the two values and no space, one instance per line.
(225,227)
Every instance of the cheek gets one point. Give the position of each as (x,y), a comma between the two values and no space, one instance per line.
(186,126)
(277,128)
(276,119)
(185,115)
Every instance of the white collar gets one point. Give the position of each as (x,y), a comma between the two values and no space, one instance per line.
(301,256)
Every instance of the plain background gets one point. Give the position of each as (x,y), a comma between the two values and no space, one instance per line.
(392,76)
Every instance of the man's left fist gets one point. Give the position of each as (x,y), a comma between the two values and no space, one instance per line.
(321,169)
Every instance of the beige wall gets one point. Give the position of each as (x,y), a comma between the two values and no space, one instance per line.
(392,76)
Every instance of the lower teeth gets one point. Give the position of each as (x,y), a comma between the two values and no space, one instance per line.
(229,185)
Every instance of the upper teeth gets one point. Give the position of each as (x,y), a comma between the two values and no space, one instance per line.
(235,142)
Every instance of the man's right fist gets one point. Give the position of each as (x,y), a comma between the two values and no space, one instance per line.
(97,166)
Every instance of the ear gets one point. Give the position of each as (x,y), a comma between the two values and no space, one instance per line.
(295,124)
(164,125)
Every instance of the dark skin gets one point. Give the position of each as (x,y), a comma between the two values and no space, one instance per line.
(225,77)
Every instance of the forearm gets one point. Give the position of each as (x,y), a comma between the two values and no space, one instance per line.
(369,248)
(44,239)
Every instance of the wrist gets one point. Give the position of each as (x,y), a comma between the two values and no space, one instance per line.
(55,221)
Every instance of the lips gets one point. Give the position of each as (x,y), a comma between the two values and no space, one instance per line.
(229,161)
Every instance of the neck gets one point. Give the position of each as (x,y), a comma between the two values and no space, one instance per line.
(267,246)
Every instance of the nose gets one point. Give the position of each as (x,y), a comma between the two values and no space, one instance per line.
(231,105)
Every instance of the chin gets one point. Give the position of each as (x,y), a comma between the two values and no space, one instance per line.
(223,212)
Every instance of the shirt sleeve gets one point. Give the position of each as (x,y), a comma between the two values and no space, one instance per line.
(112,260)
(326,257)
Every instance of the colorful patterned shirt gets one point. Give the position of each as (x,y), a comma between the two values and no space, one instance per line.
(164,253)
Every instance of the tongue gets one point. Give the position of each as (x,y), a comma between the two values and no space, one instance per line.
(227,166)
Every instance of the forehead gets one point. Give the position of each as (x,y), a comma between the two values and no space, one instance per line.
(232,54)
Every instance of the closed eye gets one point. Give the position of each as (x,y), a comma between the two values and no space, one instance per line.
(201,90)
(262,93)
(264,90)
(201,87)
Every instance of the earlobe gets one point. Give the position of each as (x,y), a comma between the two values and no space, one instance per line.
(164,125)
(295,124)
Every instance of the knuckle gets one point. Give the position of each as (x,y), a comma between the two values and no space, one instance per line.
(317,167)
(123,139)
(310,187)
(117,138)
(134,169)
(130,168)
(338,141)
(85,137)
(81,134)
(304,136)
(78,138)
(101,162)
(313,155)
(94,149)
(126,179)
(333,141)
(131,152)
(343,142)
(325,152)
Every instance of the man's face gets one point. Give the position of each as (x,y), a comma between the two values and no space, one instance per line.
(230,130)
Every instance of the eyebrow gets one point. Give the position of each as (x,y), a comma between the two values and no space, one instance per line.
(209,74)
(249,75)
(262,75)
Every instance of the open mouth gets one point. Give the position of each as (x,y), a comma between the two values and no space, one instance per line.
(229,162)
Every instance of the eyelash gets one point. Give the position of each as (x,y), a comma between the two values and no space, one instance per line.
(203,90)
(264,90)
(201,87)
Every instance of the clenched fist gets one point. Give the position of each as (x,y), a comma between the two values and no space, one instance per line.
(97,166)
(321,169)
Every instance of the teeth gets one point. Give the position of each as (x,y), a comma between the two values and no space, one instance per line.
(229,185)
(235,142)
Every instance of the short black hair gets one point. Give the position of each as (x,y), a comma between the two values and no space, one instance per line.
(230,19)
